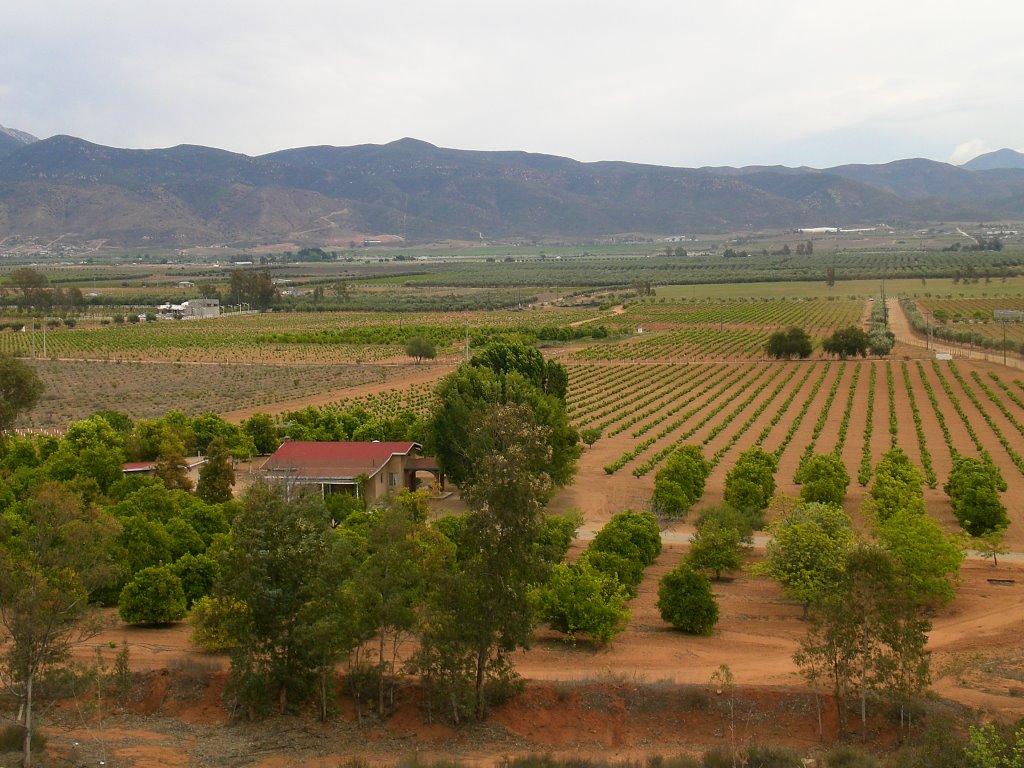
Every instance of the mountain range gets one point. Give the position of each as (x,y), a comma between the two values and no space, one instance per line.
(65,187)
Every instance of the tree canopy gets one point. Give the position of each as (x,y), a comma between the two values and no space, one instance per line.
(20,388)
(680,482)
(847,342)
(807,551)
(790,343)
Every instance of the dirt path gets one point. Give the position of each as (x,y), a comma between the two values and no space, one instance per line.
(900,325)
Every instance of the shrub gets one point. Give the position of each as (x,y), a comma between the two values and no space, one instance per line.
(750,484)
(845,756)
(686,602)
(12,738)
(580,598)
(211,618)
(824,479)
(634,535)
(680,482)
(973,489)
(771,757)
(154,596)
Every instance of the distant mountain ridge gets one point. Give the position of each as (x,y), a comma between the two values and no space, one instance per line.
(1001,158)
(413,190)
(11,139)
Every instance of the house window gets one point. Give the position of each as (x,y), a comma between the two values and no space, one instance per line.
(392,479)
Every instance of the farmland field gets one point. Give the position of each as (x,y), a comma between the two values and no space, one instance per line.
(696,375)
(76,389)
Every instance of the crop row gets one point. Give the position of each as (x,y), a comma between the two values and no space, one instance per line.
(754,416)
(808,313)
(864,471)
(1015,457)
(629,392)
(658,457)
(719,385)
(798,419)
(660,402)
(689,343)
(844,423)
(784,408)
(819,424)
(722,380)
(922,443)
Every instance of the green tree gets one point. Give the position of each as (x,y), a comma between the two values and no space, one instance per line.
(198,575)
(881,341)
(277,549)
(898,485)
(716,546)
(685,601)
(865,635)
(482,610)
(991,545)
(472,391)
(807,550)
(928,558)
(973,488)
(790,343)
(420,349)
(580,598)
(847,342)
(750,484)
(54,553)
(217,475)
(824,479)
(153,596)
(171,470)
(20,388)
(680,482)
(988,748)
(389,585)
(505,356)
(262,430)
(91,453)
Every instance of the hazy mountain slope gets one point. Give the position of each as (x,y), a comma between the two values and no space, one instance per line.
(11,139)
(1001,158)
(323,195)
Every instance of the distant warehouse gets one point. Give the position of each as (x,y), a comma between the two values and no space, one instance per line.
(190,310)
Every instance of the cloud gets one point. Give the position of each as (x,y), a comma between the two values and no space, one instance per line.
(730,82)
(969,150)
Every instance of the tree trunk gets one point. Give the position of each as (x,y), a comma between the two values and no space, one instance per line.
(323,694)
(481,677)
(864,685)
(26,748)
(380,673)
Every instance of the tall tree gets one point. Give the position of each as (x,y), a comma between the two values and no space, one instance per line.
(389,584)
(217,475)
(54,553)
(865,635)
(20,388)
(483,610)
(277,549)
(473,390)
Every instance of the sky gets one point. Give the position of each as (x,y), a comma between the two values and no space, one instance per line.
(666,82)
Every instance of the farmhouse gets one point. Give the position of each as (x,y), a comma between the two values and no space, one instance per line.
(370,470)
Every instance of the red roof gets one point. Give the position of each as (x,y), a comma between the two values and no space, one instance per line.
(348,459)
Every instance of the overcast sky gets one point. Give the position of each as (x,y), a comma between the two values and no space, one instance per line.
(669,82)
